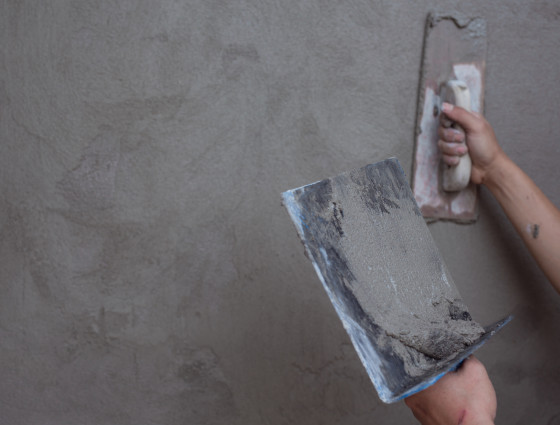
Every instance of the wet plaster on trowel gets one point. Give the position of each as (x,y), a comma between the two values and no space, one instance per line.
(426,315)
(383,272)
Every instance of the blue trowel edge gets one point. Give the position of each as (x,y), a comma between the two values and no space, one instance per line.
(453,364)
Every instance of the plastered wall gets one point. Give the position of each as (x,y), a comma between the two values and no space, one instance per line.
(148,273)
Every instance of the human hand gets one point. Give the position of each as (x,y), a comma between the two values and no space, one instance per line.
(464,397)
(481,142)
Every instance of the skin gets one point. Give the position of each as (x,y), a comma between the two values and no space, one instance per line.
(467,396)
(534,217)
(464,397)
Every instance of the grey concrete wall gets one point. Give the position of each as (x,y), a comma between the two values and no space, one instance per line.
(149,275)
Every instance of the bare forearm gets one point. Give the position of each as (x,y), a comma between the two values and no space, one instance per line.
(532,214)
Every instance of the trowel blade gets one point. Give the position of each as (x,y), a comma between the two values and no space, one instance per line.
(454,49)
(381,269)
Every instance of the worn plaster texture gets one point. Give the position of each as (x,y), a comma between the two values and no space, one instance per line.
(148,274)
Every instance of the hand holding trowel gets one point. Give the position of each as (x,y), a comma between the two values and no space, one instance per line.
(453,68)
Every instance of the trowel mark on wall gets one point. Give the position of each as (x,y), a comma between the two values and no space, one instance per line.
(205,389)
(549,10)
(235,58)
(235,51)
(133,110)
(334,376)
(26,233)
(91,184)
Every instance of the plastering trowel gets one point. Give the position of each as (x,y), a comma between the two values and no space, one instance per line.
(453,65)
(373,252)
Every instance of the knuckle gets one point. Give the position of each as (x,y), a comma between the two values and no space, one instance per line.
(450,135)
(480,125)
(459,136)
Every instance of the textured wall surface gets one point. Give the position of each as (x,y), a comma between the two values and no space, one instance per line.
(148,273)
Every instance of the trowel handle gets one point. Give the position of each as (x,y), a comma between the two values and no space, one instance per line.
(457,177)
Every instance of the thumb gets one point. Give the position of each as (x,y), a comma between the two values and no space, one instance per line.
(469,121)
(471,366)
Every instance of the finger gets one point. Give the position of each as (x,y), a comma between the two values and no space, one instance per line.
(444,121)
(450,159)
(453,149)
(468,120)
(455,135)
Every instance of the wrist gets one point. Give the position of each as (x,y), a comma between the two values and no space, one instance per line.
(496,172)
